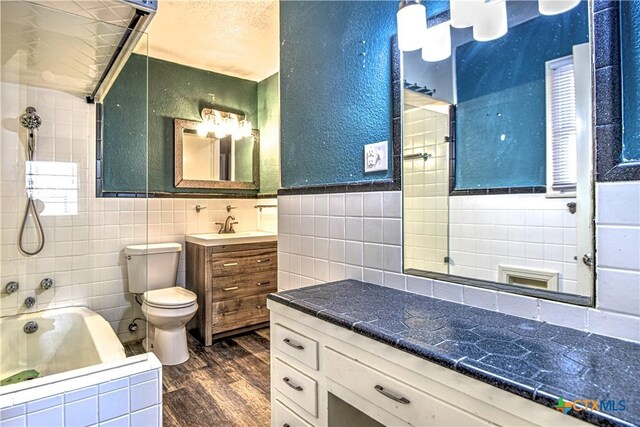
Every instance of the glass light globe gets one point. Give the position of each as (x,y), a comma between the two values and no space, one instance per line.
(491,22)
(463,12)
(412,22)
(555,7)
(436,44)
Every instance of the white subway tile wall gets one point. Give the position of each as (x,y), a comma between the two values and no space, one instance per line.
(524,230)
(426,189)
(84,252)
(363,255)
(116,396)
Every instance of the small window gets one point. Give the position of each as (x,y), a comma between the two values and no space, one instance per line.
(55,184)
(561,126)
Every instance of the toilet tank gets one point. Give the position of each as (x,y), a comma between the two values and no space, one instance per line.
(153,266)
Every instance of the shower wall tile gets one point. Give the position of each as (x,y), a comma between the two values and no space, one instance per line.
(84,252)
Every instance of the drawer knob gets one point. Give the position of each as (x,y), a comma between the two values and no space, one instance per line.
(290,343)
(263,283)
(286,425)
(260,261)
(231,288)
(259,307)
(392,396)
(291,384)
(230,264)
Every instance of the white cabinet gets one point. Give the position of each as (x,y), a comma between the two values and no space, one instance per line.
(315,363)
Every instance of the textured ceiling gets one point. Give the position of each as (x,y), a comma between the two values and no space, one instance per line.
(237,38)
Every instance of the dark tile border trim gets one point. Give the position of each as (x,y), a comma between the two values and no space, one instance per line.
(584,301)
(608,95)
(503,190)
(153,194)
(392,184)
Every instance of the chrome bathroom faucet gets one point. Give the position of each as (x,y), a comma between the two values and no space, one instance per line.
(227,226)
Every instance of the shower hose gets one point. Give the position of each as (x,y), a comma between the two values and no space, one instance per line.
(31,206)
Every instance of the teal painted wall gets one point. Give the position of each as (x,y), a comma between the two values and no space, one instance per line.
(175,91)
(334,99)
(269,125)
(124,154)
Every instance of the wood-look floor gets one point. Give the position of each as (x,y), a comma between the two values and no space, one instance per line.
(226,384)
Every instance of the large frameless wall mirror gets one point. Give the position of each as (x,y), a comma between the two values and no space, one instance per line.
(497,156)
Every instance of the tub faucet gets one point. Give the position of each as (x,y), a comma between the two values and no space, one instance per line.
(29,302)
(12,287)
(227,227)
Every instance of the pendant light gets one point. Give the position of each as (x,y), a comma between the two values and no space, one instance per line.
(412,23)
(555,7)
(491,22)
(436,44)
(463,12)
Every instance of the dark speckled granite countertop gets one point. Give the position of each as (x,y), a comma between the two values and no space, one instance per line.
(536,360)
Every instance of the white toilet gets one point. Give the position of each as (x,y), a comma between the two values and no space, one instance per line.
(152,271)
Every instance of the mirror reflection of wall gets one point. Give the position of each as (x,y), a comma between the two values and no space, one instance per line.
(191,69)
(497,169)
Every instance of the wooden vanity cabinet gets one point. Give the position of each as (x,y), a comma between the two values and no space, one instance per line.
(232,283)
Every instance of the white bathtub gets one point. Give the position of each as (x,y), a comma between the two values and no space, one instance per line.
(66,339)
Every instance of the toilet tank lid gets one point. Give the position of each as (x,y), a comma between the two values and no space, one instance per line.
(153,248)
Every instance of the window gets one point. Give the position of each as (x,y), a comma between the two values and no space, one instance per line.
(55,184)
(561,126)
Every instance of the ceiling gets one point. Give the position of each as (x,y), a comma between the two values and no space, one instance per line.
(238,38)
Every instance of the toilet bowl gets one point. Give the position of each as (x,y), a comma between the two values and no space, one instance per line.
(168,311)
(152,271)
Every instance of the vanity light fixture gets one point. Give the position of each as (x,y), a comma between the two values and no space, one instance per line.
(222,124)
(437,43)
(463,12)
(412,23)
(491,21)
(555,7)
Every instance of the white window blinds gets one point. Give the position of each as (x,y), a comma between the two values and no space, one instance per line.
(562,117)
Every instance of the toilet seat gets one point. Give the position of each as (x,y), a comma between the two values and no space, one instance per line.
(172,298)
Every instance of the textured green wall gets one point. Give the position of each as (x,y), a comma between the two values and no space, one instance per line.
(269,125)
(175,91)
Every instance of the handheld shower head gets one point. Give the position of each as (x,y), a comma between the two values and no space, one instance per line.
(30,120)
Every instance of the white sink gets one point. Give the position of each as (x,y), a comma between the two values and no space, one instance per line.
(215,239)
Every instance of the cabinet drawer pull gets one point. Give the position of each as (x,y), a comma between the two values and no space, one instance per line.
(291,384)
(231,288)
(290,343)
(226,313)
(392,396)
(259,261)
(286,425)
(259,307)
(230,264)
(263,283)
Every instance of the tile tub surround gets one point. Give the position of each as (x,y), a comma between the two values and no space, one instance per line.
(532,359)
(308,254)
(121,394)
(84,253)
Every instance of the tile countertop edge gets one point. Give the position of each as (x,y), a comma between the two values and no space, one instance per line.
(460,365)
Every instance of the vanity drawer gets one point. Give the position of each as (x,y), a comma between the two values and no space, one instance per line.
(243,285)
(295,345)
(239,312)
(282,416)
(295,385)
(394,396)
(249,261)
